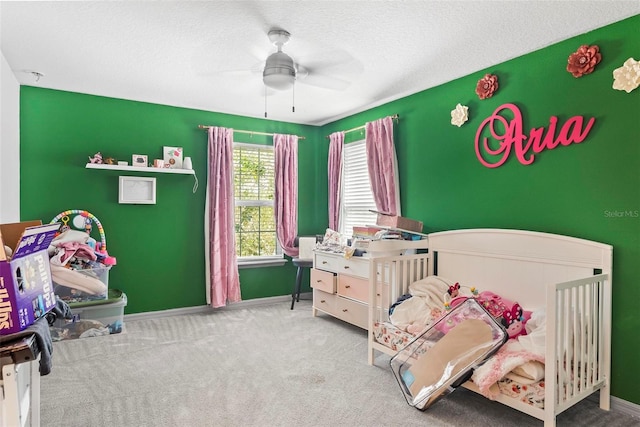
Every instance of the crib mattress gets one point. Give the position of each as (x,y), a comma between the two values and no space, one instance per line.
(444,355)
(396,339)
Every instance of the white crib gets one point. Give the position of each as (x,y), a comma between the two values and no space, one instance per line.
(569,277)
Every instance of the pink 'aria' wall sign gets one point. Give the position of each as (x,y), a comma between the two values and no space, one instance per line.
(512,136)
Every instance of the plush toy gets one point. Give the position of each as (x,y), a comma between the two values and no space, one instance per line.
(97,158)
(513,320)
(454,290)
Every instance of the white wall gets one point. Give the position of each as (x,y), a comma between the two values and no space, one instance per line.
(9,144)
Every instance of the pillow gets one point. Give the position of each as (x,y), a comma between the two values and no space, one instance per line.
(527,373)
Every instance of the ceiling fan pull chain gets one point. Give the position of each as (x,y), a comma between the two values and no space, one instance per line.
(265,102)
(293,98)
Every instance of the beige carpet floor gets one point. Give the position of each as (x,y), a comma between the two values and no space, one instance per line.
(262,365)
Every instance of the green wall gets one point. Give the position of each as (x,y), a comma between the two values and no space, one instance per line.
(159,247)
(575,190)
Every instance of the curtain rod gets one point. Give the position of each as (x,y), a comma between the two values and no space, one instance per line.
(394,117)
(246,131)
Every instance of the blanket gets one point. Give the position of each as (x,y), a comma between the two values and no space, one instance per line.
(425,305)
(513,360)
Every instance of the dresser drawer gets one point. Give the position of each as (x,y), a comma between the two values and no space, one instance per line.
(353,287)
(337,263)
(353,312)
(325,302)
(323,281)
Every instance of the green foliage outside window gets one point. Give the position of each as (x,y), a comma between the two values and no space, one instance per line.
(254,187)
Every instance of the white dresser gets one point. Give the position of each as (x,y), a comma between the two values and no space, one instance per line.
(341,286)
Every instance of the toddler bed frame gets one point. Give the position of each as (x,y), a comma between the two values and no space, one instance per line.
(569,277)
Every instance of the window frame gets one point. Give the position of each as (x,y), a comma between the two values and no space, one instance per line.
(257,260)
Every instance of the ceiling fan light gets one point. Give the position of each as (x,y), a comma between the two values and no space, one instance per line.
(279,72)
(279,78)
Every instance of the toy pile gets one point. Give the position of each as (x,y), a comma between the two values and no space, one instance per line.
(79,266)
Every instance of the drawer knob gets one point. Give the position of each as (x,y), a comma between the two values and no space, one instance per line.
(347,287)
(344,310)
(346,267)
(322,301)
(324,262)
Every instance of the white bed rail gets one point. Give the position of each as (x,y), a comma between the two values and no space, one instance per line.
(389,279)
(578,344)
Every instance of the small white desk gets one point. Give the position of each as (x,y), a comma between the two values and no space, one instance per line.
(19,384)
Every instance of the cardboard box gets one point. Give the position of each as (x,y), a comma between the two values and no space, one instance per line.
(400,222)
(26,286)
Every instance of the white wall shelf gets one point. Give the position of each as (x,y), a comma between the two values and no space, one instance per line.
(139,169)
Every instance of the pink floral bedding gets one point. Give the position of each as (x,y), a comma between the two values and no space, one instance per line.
(530,393)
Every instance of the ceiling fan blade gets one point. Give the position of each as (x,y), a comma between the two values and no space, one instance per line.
(324,81)
(334,69)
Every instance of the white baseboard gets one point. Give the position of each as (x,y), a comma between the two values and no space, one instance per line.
(625,407)
(206,308)
(618,405)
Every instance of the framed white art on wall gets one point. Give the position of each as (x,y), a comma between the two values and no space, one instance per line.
(137,190)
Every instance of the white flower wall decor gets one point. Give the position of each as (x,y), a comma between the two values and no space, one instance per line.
(459,115)
(627,77)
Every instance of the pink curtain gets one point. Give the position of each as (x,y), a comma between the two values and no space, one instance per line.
(382,164)
(286,197)
(335,175)
(222,278)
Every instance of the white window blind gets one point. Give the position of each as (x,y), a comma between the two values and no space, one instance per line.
(357,198)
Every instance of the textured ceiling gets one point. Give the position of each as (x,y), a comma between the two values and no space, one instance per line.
(207,55)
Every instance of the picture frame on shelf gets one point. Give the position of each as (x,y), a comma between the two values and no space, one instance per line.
(172,157)
(139,160)
(137,190)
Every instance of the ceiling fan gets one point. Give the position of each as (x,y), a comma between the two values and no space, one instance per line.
(281,72)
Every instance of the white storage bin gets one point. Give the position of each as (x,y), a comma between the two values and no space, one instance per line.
(95,281)
(93,319)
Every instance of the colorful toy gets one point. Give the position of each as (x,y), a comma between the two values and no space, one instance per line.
(513,320)
(454,290)
(101,247)
(97,158)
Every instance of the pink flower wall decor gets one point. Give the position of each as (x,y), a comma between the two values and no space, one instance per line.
(487,86)
(584,60)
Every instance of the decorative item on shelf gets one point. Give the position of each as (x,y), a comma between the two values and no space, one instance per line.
(459,115)
(122,163)
(109,161)
(487,86)
(584,60)
(158,163)
(97,158)
(172,157)
(139,160)
(187,163)
(627,77)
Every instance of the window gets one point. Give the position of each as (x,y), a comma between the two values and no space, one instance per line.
(357,198)
(254,189)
